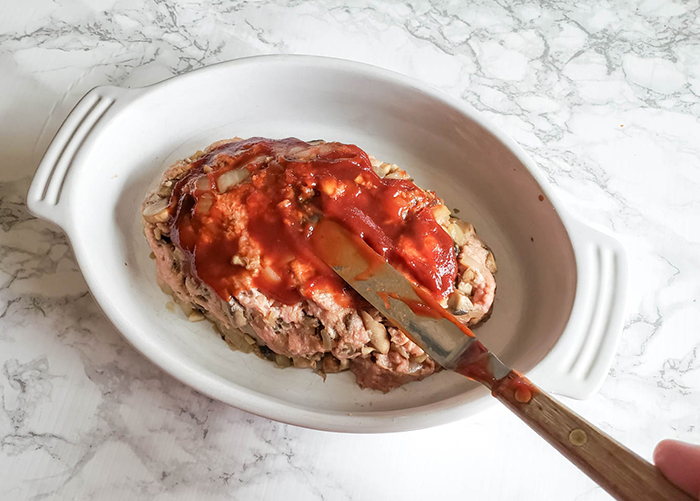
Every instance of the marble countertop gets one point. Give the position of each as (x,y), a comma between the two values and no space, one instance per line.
(605,97)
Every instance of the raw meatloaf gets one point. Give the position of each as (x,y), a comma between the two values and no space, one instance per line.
(229,230)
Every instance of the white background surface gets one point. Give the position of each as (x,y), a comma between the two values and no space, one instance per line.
(606,99)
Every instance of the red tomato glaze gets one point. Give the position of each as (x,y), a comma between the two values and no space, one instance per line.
(269,217)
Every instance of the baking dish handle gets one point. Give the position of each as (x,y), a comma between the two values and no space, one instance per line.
(578,365)
(46,197)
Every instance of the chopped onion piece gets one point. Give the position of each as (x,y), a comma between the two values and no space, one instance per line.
(442,215)
(402,351)
(302,362)
(377,333)
(196,316)
(156,212)
(270,274)
(491,263)
(204,203)
(327,340)
(283,361)
(203,183)
(420,358)
(457,234)
(231,178)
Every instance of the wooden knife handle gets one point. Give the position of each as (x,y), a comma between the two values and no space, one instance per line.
(618,470)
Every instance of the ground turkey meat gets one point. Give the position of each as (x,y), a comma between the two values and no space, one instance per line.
(229,228)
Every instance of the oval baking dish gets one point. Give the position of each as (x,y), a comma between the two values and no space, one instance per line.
(561,284)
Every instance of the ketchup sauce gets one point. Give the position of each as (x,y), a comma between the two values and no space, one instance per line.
(255,234)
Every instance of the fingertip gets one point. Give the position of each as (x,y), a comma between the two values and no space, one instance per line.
(661,451)
(680,463)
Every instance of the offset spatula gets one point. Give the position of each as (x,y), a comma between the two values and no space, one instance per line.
(615,468)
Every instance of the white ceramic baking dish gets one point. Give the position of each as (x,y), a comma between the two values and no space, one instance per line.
(561,285)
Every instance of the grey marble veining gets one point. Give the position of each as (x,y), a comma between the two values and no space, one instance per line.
(606,98)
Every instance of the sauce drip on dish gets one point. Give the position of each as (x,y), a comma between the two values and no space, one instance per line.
(244,212)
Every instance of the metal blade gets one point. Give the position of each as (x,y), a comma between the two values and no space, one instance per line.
(391,293)
(440,338)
